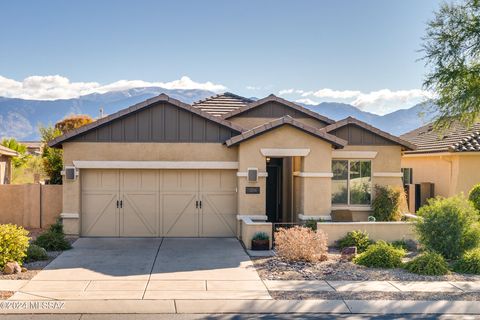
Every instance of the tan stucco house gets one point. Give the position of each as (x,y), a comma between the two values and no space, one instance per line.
(449,159)
(166,168)
(6,156)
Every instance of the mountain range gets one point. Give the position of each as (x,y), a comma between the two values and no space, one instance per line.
(21,118)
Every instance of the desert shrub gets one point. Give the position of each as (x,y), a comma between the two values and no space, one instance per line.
(13,243)
(448,226)
(381,255)
(35,253)
(311,223)
(469,262)
(260,236)
(389,203)
(474,196)
(57,226)
(356,238)
(52,241)
(429,264)
(408,245)
(301,244)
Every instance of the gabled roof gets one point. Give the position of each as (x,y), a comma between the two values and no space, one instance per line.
(273,98)
(366,126)
(145,104)
(286,120)
(221,104)
(7,151)
(457,138)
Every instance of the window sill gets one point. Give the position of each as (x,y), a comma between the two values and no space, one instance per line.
(352,207)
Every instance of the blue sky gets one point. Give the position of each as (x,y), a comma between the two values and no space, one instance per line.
(360,52)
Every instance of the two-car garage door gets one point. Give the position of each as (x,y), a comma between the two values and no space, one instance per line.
(158,203)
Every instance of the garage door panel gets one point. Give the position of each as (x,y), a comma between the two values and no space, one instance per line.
(139,180)
(139,215)
(100,180)
(180,215)
(99,214)
(218,215)
(179,181)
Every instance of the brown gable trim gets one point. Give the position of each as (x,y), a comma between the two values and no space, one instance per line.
(286,120)
(273,98)
(160,98)
(366,126)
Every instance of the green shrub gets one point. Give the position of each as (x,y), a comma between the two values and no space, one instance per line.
(260,236)
(52,241)
(13,244)
(381,255)
(429,264)
(312,224)
(448,226)
(469,262)
(57,226)
(356,238)
(389,203)
(474,196)
(35,253)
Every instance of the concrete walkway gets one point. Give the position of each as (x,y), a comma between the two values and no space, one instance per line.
(137,269)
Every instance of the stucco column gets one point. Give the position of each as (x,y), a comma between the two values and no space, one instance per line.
(71,206)
(251,204)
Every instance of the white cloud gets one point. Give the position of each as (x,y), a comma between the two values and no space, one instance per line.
(380,102)
(253,88)
(307,101)
(58,87)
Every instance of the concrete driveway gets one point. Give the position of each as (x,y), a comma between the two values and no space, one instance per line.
(141,268)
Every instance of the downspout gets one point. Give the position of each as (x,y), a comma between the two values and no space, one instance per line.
(450,162)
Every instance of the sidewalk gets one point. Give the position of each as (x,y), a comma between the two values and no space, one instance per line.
(368,286)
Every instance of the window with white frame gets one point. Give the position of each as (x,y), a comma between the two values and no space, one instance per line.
(351,182)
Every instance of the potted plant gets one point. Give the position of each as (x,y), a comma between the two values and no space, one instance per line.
(261,241)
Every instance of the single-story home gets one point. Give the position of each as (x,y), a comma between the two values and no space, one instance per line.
(166,168)
(450,159)
(6,156)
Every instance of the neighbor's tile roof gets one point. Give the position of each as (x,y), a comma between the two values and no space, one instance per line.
(457,138)
(221,104)
(7,151)
(286,120)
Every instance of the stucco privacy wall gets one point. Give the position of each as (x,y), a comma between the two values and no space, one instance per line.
(315,192)
(434,169)
(387,231)
(30,205)
(450,174)
(98,151)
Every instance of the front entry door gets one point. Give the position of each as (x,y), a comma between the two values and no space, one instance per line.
(274,189)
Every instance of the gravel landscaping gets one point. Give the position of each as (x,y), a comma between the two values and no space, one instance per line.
(273,268)
(375,295)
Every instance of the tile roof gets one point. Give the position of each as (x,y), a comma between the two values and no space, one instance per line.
(457,138)
(221,104)
(286,120)
(162,97)
(7,151)
(366,126)
(273,98)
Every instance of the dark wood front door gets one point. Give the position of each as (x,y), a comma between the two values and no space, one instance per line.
(274,189)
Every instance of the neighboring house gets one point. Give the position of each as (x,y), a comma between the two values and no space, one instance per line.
(166,168)
(33,147)
(6,155)
(449,159)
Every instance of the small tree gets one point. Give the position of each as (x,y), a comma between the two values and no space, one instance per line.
(73,121)
(22,158)
(52,158)
(451,51)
